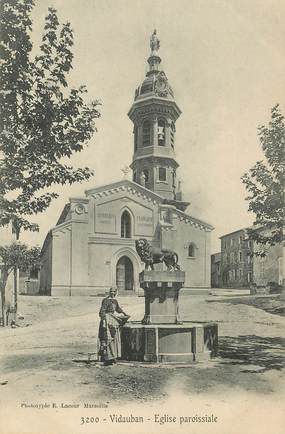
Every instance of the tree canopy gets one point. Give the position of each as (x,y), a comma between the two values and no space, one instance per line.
(44,121)
(15,255)
(20,256)
(265,184)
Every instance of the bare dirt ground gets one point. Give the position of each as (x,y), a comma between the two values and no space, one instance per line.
(45,358)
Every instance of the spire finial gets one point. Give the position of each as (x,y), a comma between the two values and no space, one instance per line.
(154,59)
(154,42)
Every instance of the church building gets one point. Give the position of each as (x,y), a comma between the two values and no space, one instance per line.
(92,246)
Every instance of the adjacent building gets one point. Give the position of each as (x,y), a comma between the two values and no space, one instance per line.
(239,267)
(216,270)
(92,246)
(236,269)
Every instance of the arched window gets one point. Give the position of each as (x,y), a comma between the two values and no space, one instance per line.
(162,174)
(146,175)
(126,225)
(174,180)
(192,250)
(146,133)
(172,134)
(136,137)
(144,178)
(161,132)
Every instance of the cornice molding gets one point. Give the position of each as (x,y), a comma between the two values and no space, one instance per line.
(125,186)
(156,159)
(154,106)
(199,224)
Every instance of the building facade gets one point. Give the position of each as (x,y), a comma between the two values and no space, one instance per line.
(92,246)
(236,260)
(240,267)
(216,270)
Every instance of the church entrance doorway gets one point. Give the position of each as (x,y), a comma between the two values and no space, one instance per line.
(125,274)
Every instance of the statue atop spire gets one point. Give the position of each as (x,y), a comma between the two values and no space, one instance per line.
(154,59)
(154,42)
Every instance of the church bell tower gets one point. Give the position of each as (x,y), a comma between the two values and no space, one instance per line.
(154,114)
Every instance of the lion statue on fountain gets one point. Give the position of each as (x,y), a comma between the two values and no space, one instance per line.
(154,255)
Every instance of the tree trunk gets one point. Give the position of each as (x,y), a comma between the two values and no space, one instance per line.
(2,308)
(3,283)
(15,301)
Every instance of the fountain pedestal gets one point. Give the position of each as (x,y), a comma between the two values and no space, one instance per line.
(162,336)
(161,292)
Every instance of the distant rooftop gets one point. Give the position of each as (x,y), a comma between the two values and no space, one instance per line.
(234,232)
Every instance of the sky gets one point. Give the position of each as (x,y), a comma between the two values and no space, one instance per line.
(225,60)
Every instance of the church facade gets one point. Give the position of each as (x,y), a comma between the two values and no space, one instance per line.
(92,246)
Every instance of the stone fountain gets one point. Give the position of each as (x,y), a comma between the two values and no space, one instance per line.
(162,336)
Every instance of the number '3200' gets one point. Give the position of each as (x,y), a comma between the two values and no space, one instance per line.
(85,420)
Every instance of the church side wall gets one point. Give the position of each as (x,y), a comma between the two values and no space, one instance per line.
(61,261)
(70,251)
(197,267)
(79,256)
(70,260)
(46,269)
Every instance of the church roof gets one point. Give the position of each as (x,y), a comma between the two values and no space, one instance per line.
(133,187)
(233,232)
(63,214)
(155,83)
(197,222)
(61,219)
(124,184)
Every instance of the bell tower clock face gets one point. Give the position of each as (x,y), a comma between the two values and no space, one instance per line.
(161,86)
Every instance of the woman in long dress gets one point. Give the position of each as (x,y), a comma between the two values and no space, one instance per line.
(112,317)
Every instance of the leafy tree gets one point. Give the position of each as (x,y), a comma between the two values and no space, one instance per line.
(265,185)
(19,256)
(44,121)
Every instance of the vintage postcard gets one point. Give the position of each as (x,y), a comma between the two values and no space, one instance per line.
(141,216)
